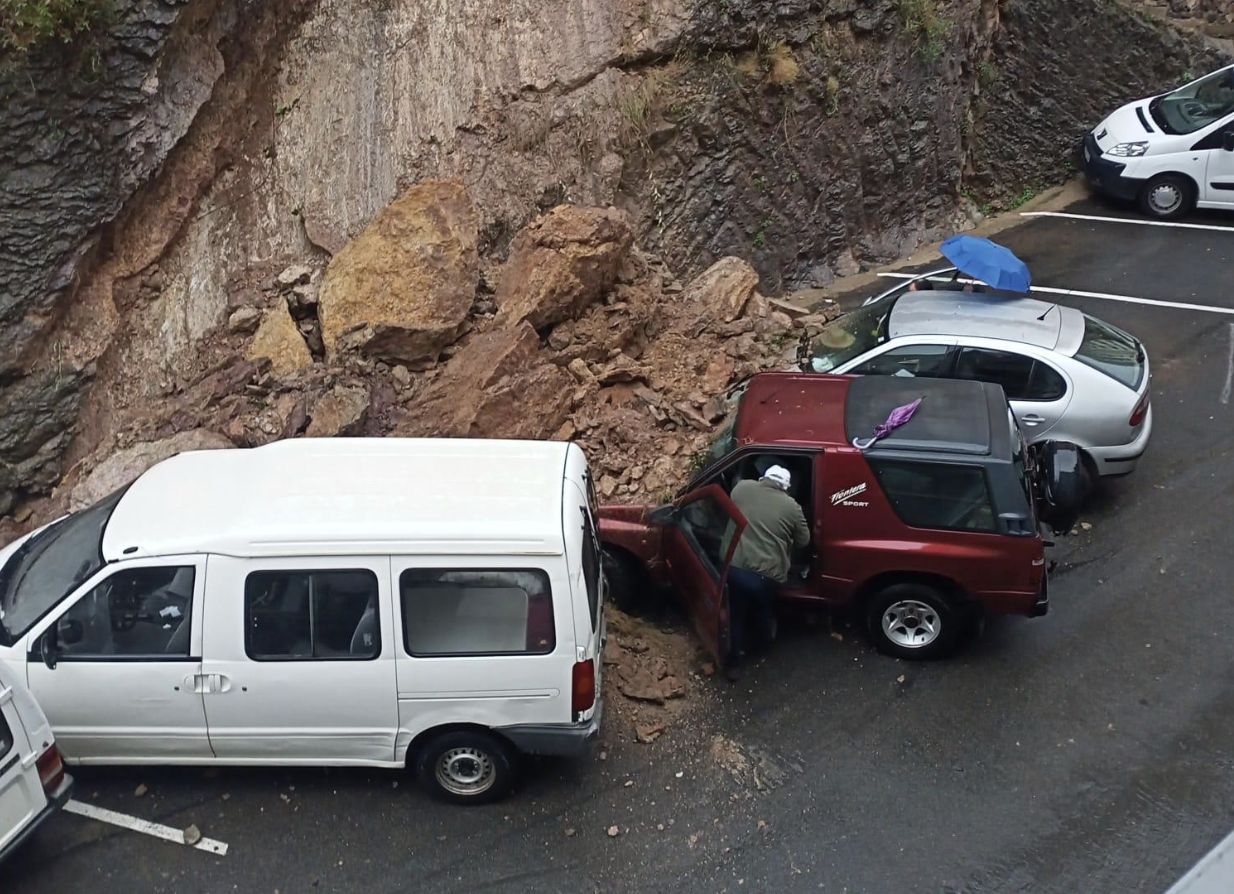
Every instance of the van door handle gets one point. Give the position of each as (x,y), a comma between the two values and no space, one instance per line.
(219,683)
(194,683)
(1032,419)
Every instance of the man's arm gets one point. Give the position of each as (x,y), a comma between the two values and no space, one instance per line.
(801,528)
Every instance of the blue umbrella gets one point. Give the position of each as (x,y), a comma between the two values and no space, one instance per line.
(993,264)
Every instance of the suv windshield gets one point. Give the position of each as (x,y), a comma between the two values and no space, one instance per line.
(851,335)
(1111,351)
(1197,105)
(50,565)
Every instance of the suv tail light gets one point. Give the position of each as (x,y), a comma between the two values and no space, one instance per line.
(583,688)
(1140,411)
(51,769)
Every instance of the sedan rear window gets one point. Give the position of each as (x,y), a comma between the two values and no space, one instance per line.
(1111,351)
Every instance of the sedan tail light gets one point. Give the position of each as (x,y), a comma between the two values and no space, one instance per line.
(51,769)
(583,690)
(1140,411)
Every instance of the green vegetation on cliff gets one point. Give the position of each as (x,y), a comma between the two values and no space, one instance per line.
(28,23)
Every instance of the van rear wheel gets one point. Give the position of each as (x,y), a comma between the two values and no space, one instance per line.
(466,767)
(916,622)
(1167,197)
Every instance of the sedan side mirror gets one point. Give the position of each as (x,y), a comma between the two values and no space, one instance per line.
(1227,141)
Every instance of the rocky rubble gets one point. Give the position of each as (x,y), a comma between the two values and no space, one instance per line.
(589,339)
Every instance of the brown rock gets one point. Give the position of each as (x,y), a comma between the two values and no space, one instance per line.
(498,384)
(279,341)
(402,289)
(579,369)
(243,319)
(340,411)
(562,262)
(294,275)
(718,374)
(640,684)
(646,733)
(725,287)
(126,465)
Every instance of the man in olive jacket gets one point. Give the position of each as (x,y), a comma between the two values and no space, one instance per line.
(776,525)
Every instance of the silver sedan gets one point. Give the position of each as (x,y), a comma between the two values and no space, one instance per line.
(1068,376)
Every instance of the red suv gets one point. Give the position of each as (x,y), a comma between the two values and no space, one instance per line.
(921,533)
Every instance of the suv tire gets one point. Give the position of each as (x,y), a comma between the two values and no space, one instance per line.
(466,767)
(628,587)
(916,622)
(1168,197)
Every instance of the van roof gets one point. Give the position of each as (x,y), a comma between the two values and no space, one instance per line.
(347,496)
(809,409)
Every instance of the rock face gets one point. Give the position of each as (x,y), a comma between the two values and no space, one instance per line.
(160,177)
(561,263)
(403,287)
(126,465)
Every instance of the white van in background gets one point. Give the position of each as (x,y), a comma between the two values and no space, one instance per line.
(350,602)
(1170,153)
(33,784)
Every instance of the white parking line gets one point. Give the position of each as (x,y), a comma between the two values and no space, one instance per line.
(1229,371)
(124,821)
(1127,220)
(1104,296)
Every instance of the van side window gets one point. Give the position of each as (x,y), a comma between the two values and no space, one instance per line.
(936,495)
(311,615)
(135,613)
(592,570)
(476,612)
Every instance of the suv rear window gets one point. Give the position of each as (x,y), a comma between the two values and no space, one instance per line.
(936,495)
(1111,351)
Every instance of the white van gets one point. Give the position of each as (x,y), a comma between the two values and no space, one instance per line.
(1171,153)
(33,784)
(350,602)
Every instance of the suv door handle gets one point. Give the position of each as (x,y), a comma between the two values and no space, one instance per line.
(1032,419)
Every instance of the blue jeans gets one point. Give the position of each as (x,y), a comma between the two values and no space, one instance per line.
(751,612)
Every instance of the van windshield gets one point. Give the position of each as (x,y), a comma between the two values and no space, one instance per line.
(1196,105)
(851,335)
(50,565)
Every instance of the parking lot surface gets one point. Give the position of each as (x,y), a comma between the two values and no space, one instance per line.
(1088,751)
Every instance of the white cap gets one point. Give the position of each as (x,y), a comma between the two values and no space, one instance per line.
(780,476)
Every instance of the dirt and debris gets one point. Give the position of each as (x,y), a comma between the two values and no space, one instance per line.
(651,675)
(751,767)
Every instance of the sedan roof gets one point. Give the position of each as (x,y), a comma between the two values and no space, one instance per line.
(983,315)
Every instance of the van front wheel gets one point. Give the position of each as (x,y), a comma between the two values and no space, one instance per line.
(1167,197)
(466,767)
(915,621)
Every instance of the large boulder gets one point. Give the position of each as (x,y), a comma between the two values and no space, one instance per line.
(126,465)
(562,262)
(402,289)
(498,386)
(725,288)
(340,411)
(279,340)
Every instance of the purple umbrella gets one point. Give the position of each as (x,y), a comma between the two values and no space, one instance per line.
(898,417)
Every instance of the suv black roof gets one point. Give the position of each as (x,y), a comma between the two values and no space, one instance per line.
(960,417)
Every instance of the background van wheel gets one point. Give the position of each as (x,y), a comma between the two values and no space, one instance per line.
(916,621)
(466,767)
(1167,197)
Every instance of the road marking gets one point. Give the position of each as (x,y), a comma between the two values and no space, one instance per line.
(1128,220)
(1214,874)
(167,833)
(1229,370)
(1104,296)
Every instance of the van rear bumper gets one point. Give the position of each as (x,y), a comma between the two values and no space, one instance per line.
(558,739)
(55,801)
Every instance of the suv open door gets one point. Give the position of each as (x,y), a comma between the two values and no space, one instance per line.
(701,531)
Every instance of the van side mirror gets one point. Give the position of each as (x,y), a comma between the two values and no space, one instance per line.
(49,650)
(1227,141)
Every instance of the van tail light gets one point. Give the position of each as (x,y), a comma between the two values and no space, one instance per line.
(51,769)
(1140,411)
(583,690)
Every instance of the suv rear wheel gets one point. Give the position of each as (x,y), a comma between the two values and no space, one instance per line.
(466,767)
(915,621)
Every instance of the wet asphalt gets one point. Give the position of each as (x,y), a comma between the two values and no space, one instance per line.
(1087,751)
